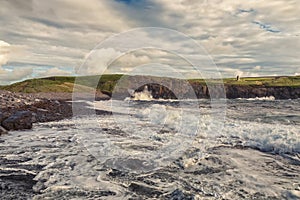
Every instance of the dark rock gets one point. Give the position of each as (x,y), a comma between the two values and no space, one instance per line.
(178,89)
(144,190)
(2,117)
(16,185)
(179,195)
(2,130)
(34,118)
(107,93)
(19,120)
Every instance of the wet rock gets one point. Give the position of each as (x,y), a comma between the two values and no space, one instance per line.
(16,186)
(144,190)
(179,195)
(2,130)
(34,118)
(293,194)
(18,121)
(67,192)
(2,117)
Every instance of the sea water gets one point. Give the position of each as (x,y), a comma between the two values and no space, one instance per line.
(166,149)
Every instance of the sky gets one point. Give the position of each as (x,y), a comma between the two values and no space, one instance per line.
(40,38)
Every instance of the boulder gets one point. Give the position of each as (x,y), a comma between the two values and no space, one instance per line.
(2,117)
(178,194)
(18,121)
(3,130)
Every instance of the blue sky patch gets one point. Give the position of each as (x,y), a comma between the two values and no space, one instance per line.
(266,27)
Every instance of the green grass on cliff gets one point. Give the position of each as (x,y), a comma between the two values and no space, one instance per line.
(42,85)
(63,84)
(107,83)
(290,81)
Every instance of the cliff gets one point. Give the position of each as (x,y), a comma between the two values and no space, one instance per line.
(169,88)
(117,85)
(231,91)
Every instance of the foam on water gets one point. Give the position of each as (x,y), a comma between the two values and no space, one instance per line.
(144,95)
(267,98)
(283,138)
(157,134)
(150,140)
(154,132)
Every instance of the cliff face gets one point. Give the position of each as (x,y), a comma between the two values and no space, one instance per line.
(231,91)
(170,88)
(279,92)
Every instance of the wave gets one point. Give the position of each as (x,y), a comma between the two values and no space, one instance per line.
(267,98)
(144,95)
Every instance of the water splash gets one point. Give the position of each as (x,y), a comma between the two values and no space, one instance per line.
(144,95)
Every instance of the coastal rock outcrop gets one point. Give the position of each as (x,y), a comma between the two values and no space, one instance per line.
(171,88)
(279,92)
(19,120)
(3,130)
(20,110)
(202,91)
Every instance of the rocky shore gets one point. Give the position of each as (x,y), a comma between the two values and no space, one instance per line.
(55,161)
(171,88)
(19,110)
(54,165)
(231,91)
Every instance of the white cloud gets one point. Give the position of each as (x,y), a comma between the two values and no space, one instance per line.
(237,72)
(55,71)
(257,67)
(7,76)
(239,35)
(15,75)
(125,69)
(97,61)
(4,53)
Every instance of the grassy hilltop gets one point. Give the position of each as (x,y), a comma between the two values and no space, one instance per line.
(63,84)
(107,83)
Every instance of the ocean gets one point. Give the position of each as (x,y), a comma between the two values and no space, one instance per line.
(164,149)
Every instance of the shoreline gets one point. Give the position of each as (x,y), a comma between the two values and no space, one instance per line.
(31,161)
(19,111)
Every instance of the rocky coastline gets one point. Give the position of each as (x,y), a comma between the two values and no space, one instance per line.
(18,176)
(169,91)
(19,110)
(231,91)
(171,88)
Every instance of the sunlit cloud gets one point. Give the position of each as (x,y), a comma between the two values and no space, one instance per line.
(238,35)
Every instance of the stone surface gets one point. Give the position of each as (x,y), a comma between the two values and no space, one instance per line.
(178,195)
(2,130)
(19,120)
(168,88)
(43,107)
(2,117)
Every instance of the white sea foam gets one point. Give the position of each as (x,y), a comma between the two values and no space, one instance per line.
(268,98)
(277,138)
(265,136)
(144,95)
(64,148)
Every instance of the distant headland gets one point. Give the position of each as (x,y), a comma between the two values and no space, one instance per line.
(281,87)
(48,99)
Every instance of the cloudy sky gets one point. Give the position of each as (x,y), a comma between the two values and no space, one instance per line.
(249,38)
